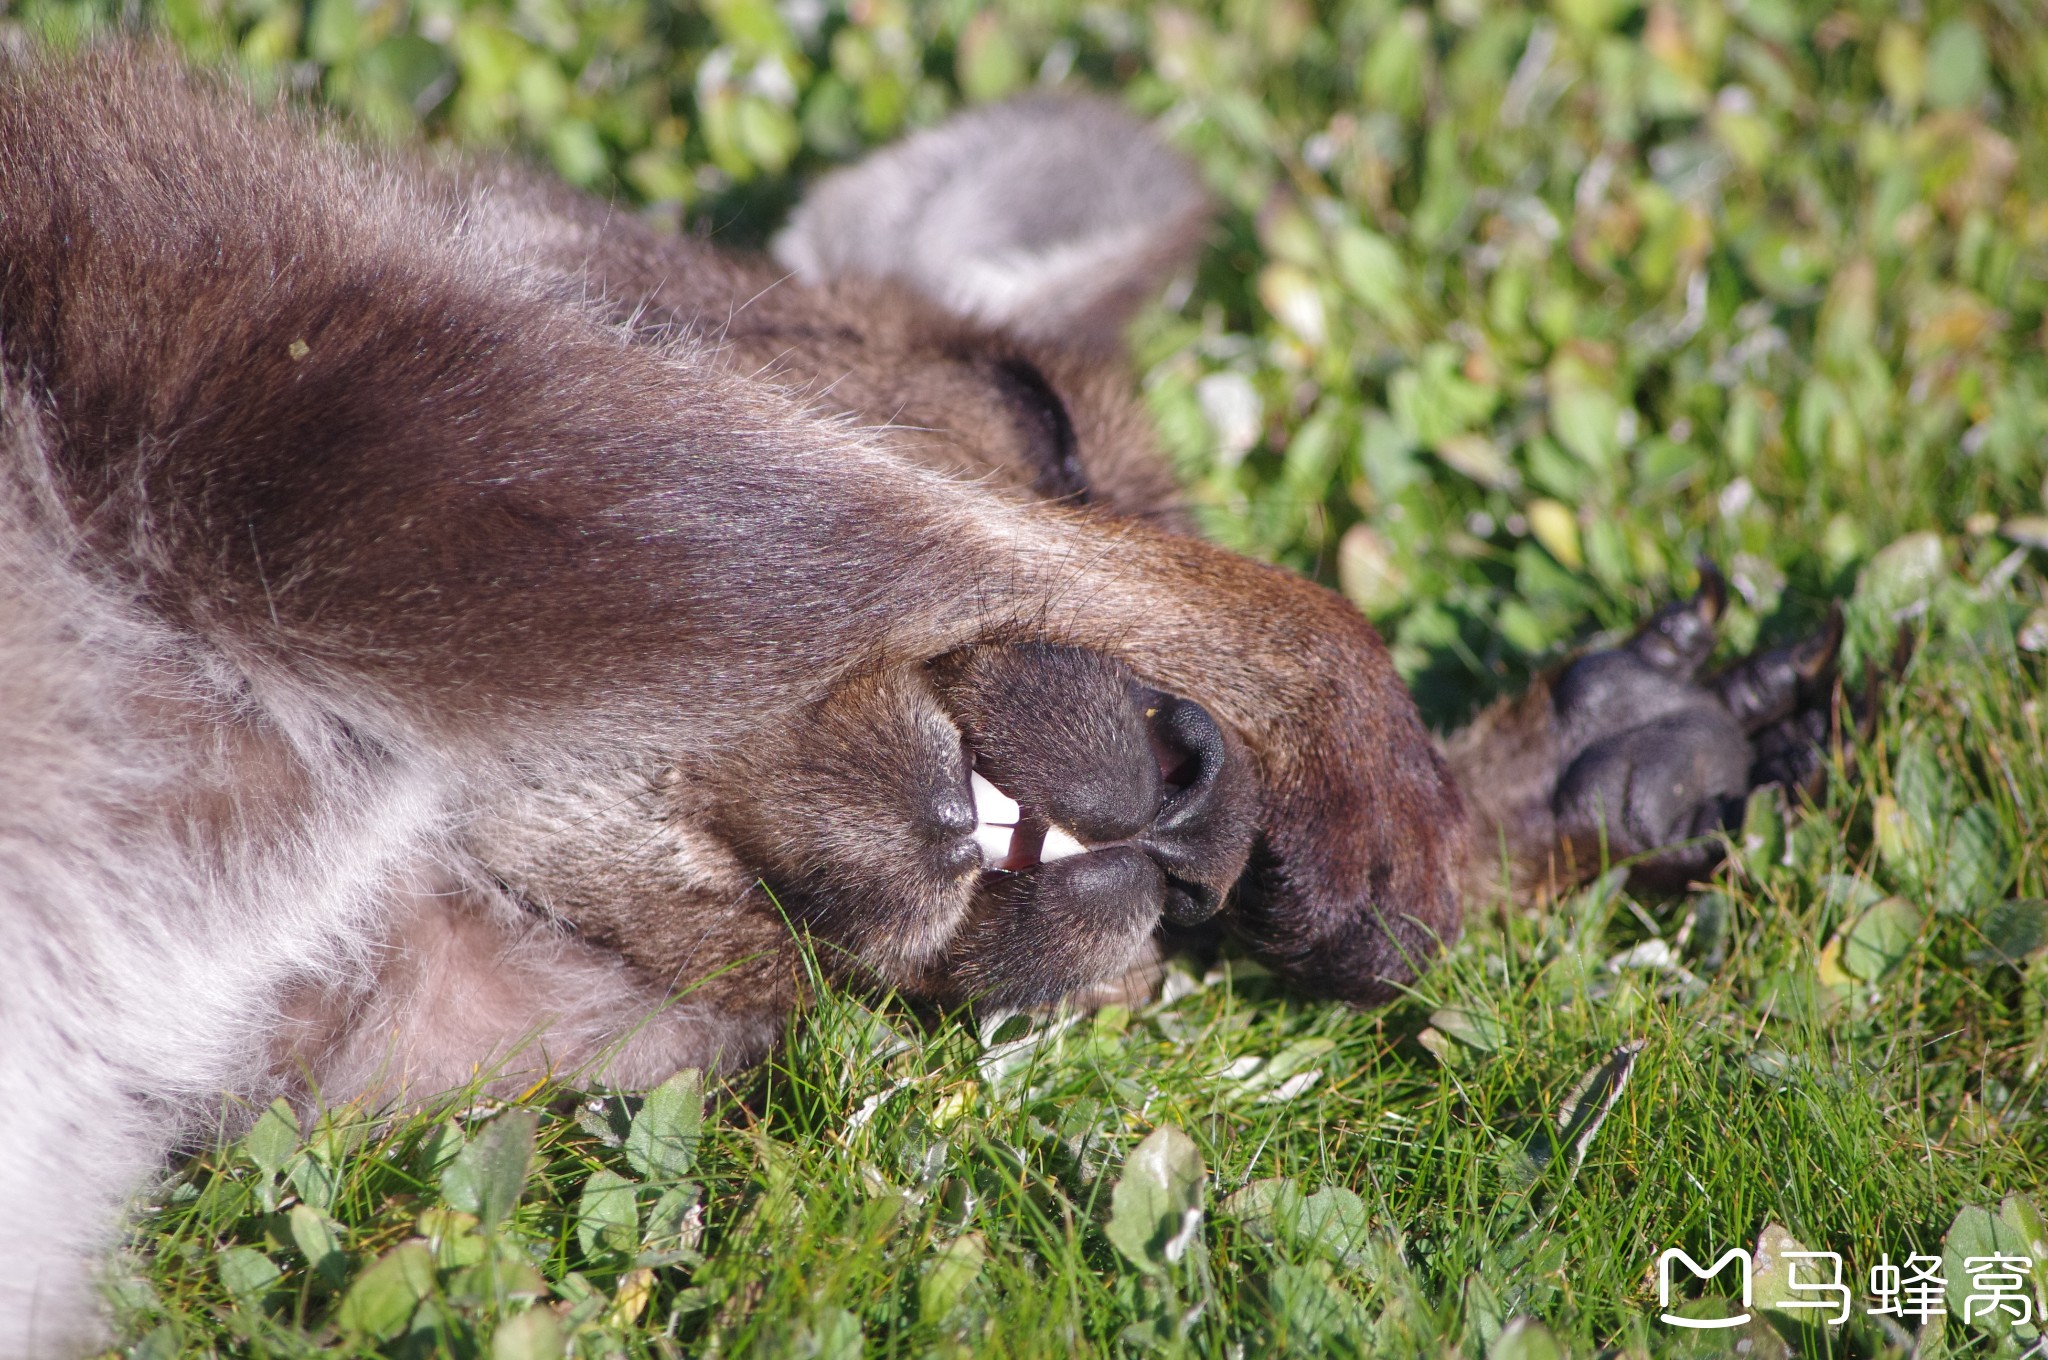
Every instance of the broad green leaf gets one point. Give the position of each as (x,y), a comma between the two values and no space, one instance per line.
(1788,1280)
(1975,869)
(1585,420)
(506,1272)
(754,26)
(1156,1209)
(1898,843)
(952,1271)
(1881,938)
(1333,1220)
(1924,788)
(159,1343)
(1290,294)
(315,1241)
(674,1223)
(1902,575)
(246,1274)
(453,1236)
(1474,1028)
(1850,892)
(833,1334)
(988,62)
(1752,1340)
(1441,1047)
(1011,1029)
(1374,272)
(1981,1257)
(273,1139)
(488,1176)
(767,133)
(381,1302)
(315,1179)
(1763,831)
(1434,401)
(607,1218)
(1958,65)
(2024,1219)
(576,151)
(437,1147)
(1294,1058)
(1314,1311)
(2013,931)
(1392,75)
(334,30)
(535,1334)
(1483,1311)
(1901,65)
(1480,458)
(1525,1338)
(1264,1204)
(662,1144)
(1848,319)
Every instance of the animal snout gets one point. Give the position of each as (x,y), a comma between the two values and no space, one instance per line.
(1072,758)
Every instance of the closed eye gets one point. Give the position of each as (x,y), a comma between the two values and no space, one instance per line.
(1047,429)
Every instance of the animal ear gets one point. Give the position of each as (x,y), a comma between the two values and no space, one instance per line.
(1052,216)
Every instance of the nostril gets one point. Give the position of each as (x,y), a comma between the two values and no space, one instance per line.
(1190,749)
(1190,904)
(951,812)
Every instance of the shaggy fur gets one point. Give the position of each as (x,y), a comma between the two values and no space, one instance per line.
(448,629)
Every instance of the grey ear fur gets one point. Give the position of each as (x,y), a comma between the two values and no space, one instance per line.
(1055,216)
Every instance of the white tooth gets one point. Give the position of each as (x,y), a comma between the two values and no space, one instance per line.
(1059,845)
(991,804)
(994,842)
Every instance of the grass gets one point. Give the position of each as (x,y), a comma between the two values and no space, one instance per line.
(1509,315)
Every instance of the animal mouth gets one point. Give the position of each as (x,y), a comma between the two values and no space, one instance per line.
(1013,836)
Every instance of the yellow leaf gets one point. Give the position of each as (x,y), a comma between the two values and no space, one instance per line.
(635,1288)
(1557,529)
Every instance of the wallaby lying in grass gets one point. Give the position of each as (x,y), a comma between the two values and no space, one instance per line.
(447,626)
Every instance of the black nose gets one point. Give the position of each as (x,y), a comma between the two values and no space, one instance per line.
(1191,755)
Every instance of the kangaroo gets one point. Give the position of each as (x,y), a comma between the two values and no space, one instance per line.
(448,626)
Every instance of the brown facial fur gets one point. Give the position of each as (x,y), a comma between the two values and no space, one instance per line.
(381,465)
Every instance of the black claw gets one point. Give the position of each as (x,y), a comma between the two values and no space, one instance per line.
(1711,599)
(1679,637)
(1814,658)
(1761,689)
(1793,753)
(1768,687)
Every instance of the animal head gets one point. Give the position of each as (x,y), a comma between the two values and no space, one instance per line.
(1017,819)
